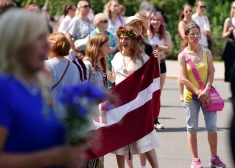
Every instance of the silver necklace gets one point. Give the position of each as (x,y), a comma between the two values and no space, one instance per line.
(125,66)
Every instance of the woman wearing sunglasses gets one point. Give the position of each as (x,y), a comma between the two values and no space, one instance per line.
(101,23)
(79,29)
(185,18)
(202,21)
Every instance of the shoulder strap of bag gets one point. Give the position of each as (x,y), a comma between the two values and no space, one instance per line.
(194,69)
(61,76)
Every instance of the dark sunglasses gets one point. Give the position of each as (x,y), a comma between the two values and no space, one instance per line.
(203,6)
(188,11)
(104,21)
(86,6)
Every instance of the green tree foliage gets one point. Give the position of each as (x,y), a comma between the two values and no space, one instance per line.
(217,12)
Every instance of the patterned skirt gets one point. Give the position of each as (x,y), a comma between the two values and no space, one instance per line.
(95,163)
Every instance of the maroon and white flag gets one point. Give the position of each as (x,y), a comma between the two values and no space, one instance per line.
(133,118)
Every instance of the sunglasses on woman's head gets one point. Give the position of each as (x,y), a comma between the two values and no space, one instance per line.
(104,21)
(204,6)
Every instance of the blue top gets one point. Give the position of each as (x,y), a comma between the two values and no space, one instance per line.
(31,124)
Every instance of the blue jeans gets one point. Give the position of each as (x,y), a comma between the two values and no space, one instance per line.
(192,112)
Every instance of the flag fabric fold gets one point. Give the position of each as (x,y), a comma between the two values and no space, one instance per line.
(133,118)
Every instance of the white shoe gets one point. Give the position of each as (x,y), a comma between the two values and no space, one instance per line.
(158,126)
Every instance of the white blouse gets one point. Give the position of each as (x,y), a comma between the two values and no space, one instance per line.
(118,66)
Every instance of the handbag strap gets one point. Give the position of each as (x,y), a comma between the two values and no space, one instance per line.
(194,69)
(61,76)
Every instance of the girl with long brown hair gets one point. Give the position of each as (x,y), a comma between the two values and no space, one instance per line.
(97,73)
(97,49)
(185,18)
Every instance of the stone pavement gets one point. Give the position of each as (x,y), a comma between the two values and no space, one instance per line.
(173,70)
(174,151)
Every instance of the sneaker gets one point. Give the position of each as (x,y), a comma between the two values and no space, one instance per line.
(196,163)
(158,126)
(217,163)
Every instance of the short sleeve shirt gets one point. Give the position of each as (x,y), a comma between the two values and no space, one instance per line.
(31,123)
(79,28)
(204,25)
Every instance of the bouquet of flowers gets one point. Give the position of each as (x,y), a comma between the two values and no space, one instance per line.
(81,103)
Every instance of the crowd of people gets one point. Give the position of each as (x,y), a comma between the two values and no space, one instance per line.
(105,48)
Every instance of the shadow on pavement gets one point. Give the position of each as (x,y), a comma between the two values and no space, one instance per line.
(168,106)
(166,118)
(184,129)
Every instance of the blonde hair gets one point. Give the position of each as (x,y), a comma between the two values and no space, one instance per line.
(79,5)
(29,26)
(107,8)
(93,47)
(231,11)
(98,17)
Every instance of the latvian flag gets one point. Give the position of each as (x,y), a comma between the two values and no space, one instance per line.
(133,118)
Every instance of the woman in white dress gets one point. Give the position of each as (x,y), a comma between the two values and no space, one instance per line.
(130,58)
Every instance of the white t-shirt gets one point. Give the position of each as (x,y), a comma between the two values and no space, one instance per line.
(80,28)
(204,25)
(118,66)
(120,21)
(156,41)
(64,25)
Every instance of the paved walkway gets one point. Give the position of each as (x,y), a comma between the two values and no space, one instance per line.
(173,70)
(174,151)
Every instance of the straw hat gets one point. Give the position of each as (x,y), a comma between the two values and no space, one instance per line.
(132,19)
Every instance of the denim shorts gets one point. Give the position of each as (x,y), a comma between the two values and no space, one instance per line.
(192,112)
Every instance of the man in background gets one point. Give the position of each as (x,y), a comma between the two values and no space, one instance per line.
(202,21)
